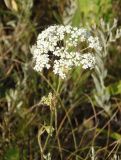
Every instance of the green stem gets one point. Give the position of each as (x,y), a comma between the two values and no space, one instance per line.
(59,99)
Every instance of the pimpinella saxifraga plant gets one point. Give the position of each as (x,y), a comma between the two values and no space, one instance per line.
(59,49)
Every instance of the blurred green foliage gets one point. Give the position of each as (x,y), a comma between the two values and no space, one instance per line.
(12,154)
(91,11)
(78,118)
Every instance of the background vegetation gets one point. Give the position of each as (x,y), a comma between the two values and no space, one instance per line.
(85,110)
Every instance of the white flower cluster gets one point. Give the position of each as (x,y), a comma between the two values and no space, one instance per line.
(57,48)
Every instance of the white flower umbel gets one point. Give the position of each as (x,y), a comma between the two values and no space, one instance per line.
(58,48)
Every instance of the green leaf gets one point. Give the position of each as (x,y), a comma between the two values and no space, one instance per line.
(113,135)
(12,154)
(77,16)
(114,89)
(49,129)
(11,4)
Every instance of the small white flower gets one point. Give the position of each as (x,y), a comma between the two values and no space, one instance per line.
(94,43)
(52,49)
(88,61)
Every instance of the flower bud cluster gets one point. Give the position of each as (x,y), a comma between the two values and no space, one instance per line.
(56,48)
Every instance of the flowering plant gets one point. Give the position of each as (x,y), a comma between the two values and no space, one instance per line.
(58,48)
